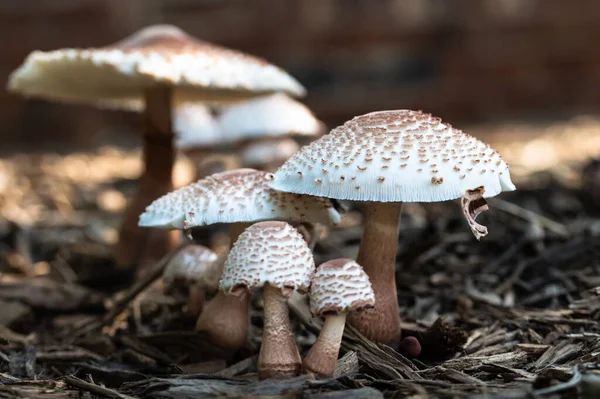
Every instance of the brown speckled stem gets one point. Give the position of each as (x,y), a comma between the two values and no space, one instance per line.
(321,359)
(377,256)
(136,244)
(226,319)
(279,356)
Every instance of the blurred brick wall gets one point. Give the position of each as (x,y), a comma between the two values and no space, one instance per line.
(461,59)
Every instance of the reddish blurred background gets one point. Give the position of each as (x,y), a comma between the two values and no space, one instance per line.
(466,61)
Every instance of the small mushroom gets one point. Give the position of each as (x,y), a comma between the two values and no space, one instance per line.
(199,267)
(339,286)
(387,158)
(272,255)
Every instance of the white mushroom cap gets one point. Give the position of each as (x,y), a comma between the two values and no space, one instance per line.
(268,152)
(241,195)
(269,116)
(195,127)
(160,54)
(394,156)
(268,252)
(340,285)
(193,263)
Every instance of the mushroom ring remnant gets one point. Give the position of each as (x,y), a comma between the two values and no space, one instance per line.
(387,158)
(272,255)
(472,204)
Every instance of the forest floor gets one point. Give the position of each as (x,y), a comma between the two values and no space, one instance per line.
(515,315)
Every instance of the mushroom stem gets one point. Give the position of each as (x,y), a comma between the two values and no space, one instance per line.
(156,180)
(377,255)
(279,356)
(235,229)
(226,329)
(195,300)
(311,232)
(226,320)
(321,359)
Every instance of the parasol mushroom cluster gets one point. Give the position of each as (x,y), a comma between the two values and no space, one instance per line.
(201,98)
(385,158)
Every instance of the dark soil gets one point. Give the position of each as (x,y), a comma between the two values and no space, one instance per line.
(513,316)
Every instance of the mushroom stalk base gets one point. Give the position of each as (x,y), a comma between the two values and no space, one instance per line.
(279,356)
(225,320)
(195,300)
(138,245)
(321,359)
(377,256)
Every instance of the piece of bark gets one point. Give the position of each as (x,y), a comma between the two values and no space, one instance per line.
(43,293)
(22,364)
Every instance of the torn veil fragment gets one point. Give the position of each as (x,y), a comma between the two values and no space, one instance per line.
(472,204)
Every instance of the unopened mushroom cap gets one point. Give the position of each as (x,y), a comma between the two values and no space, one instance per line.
(269,116)
(241,195)
(193,263)
(268,252)
(340,285)
(195,127)
(268,152)
(160,54)
(394,156)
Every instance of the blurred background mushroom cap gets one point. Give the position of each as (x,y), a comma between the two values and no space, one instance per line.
(114,76)
(269,116)
(195,127)
(262,153)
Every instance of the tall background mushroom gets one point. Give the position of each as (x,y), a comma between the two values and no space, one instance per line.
(142,72)
(387,158)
